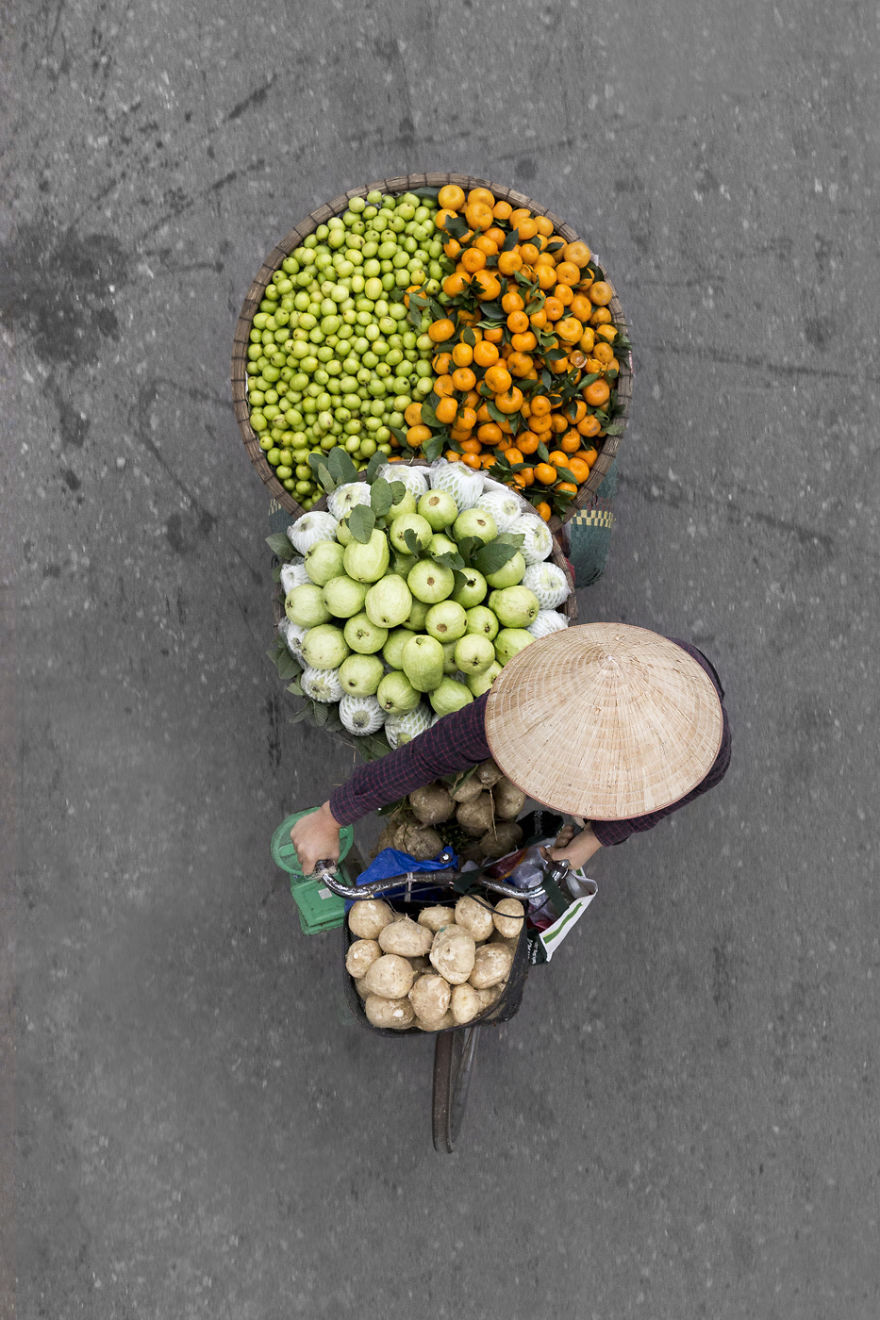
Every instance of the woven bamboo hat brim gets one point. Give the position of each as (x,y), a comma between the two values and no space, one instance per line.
(604,721)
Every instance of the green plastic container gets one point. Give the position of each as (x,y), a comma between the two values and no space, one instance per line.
(319,908)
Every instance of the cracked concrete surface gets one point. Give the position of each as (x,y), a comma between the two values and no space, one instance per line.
(682,1119)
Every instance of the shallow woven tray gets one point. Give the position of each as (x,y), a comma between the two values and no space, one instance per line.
(586,495)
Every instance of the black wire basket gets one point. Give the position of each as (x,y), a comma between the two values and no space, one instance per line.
(411,898)
(504,1008)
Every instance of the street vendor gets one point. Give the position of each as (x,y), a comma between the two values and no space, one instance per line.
(613,725)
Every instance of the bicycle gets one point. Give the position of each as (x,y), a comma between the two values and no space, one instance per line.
(455,1048)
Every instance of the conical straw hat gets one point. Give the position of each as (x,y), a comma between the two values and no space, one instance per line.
(604,721)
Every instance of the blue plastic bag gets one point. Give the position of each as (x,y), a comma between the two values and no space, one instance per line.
(390,862)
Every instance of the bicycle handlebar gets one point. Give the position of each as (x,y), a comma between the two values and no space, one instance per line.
(325,873)
(328,877)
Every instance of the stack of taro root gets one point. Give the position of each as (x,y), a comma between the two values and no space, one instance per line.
(443,970)
(475,813)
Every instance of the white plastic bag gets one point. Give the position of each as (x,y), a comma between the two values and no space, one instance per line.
(552,929)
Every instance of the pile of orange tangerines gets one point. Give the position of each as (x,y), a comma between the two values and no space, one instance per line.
(525,351)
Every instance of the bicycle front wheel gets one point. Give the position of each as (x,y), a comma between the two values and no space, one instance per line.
(454,1057)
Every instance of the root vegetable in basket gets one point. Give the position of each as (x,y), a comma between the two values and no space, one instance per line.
(387,838)
(360,957)
(405,937)
(420,841)
(490,995)
(394,835)
(508,918)
(469,788)
(488,773)
(394,1013)
(475,917)
(390,976)
(475,817)
(431,805)
(452,954)
(368,917)
(430,997)
(509,800)
(492,963)
(446,1021)
(502,839)
(465,1003)
(435,918)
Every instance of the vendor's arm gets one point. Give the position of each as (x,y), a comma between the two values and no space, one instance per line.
(316,838)
(576,849)
(455,743)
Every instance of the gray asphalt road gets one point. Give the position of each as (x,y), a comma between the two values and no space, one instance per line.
(682,1120)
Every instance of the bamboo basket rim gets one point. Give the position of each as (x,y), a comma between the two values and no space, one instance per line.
(587,493)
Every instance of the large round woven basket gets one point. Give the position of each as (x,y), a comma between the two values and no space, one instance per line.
(587,493)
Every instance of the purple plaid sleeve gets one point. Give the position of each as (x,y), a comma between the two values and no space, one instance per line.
(458,741)
(455,743)
(610,832)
